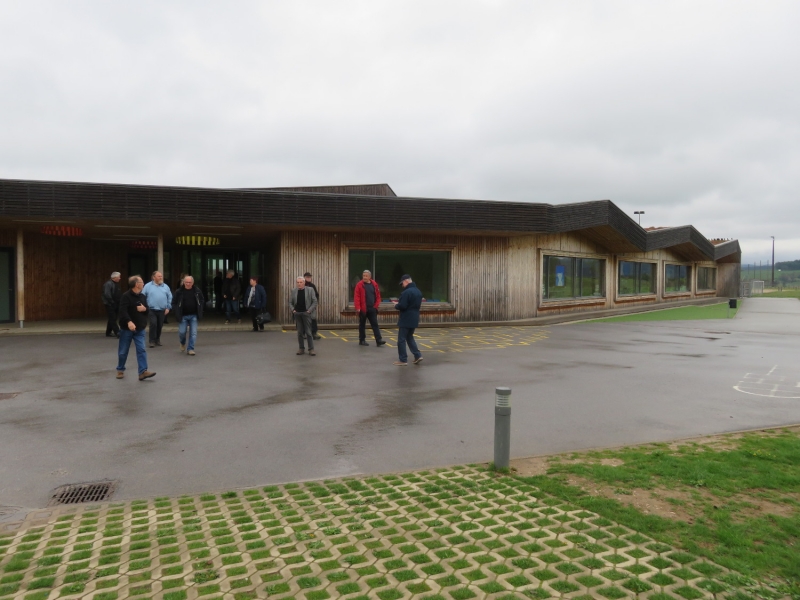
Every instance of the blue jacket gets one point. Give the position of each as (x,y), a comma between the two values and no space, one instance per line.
(409,305)
(259,299)
(159,297)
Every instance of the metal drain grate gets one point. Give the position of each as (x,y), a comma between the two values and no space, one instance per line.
(77,493)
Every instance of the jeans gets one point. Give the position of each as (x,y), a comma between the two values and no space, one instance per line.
(191,321)
(254,312)
(112,328)
(125,338)
(156,322)
(372,315)
(303,322)
(406,334)
(231,306)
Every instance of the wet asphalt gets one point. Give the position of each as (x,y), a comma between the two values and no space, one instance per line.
(247,411)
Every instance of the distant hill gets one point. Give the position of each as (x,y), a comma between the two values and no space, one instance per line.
(788,265)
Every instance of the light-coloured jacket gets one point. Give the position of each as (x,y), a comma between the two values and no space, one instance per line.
(311,300)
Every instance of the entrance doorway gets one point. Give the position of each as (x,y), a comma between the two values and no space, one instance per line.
(209,268)
(7,285)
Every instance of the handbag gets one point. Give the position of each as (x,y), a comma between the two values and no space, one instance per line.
(263,318)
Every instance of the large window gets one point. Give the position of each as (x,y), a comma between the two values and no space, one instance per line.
(568,277)
(430,270)
(676,279)
(636,278)
(706,278)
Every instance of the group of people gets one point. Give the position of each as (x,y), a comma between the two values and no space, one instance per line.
(366,299)
(146,307)
(230,297)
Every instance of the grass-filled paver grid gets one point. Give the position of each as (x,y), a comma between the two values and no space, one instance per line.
(462,532)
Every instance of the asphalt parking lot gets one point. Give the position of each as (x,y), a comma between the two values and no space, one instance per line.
(246,411)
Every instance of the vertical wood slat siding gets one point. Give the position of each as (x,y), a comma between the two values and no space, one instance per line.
(478,273)
(728,279)
(64,277)
(523,277)
(8,238)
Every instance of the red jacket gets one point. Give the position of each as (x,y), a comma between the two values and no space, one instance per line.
(360,296)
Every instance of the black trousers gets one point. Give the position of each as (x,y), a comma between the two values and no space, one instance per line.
(254,312)
(112,327)
(372,315)
(156,321)
(313,327)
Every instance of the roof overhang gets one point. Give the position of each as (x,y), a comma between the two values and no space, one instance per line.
(261,212)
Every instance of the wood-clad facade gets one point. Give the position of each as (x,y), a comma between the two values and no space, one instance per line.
(492,257)
(491,278)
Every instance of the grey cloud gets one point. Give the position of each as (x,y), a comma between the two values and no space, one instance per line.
(685,110)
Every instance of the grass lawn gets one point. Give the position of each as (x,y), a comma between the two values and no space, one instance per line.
(682,313)
(795,293)
(733,499)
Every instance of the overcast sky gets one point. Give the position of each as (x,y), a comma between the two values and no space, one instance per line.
(689,111)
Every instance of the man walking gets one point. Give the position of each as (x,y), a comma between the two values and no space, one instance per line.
(111,297)
(367,299)
(303,302)
(187,304)
(309,283)
(231,290)
(255,299)
(408,305)
(159,301)
(132,323)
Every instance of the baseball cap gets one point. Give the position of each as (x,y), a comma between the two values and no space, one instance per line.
(404,277)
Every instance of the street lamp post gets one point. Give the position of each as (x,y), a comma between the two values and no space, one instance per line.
(773,260)
(640,213)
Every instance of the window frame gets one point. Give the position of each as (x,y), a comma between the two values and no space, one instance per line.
(689,279)
(653,294)
(400,247)
(697,279)
(573,300)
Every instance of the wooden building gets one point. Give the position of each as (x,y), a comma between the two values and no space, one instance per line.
(473,260)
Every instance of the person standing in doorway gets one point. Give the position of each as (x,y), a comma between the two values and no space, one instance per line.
(367,299)
(111,297)
(255,300)
(409,304)
(303,302)
(231,290)
(314,326)
(187,304)
(159,301)
(133,323)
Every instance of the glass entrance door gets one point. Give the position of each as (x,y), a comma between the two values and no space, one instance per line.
(209,268)
(7,285)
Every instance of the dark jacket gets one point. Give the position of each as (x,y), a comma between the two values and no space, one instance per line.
(232,288)
(313,287)
(360,296)
(259,299)
(409,305)
(177,302)
(127,310)
(111,293)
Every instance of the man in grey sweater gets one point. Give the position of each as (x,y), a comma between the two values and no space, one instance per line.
(303,302)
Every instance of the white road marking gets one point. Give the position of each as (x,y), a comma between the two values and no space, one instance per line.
(768,386)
